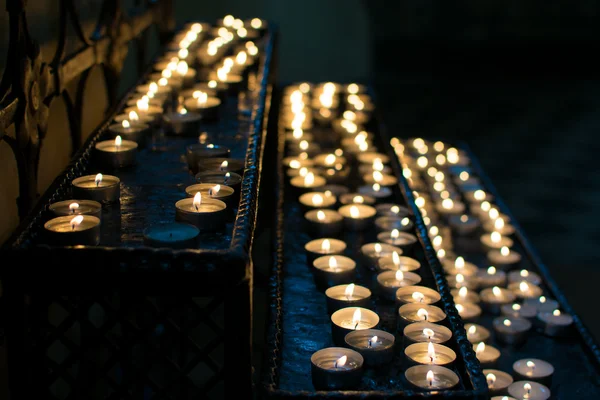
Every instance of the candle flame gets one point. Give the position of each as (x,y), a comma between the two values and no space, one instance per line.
(73,207)
(364,147)
(256,23)
(349,115)
(440,159)
(163,82)
(418,297)
(396,258)
(496,237)
(524,273)
(399,275)
(356,317)
(183,111)
(201,97)
(242,32)
(479,195)
(523,286)
(496,291)
(431,351)
(542,299)
(498,223)
(213,191)
(434,231)
(516,306)
(118,141)
(377,247)
(491,270)
(491,379)
(126,123)
(485,206)
(141,105)
(430,377)
(320,215)
(228,20)
(354,212)
(527,387)
(493,213)
(507,322)
(504,251)
(420,202)
(439,176)
(241,58)
(221,74)
(556,313)
(395,234)
(372,341)
(472,329)
(317,199)
(132,116)
(464,176)
(340,362)
(196,27)
(480,348)
(459,263)
(309,179)
(197,201)
(377,176)
(349,291)
(437,241)
(460,278)
(422,313)
(447,204)
(358,199)
(463,291)
(460,308)
(530,364)
(428,333)
(224,165)
(422,162)
(153,87)
(76,221)
(212,84)
(98,179)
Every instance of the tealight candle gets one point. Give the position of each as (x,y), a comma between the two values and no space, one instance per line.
(396,262)
(502,398)
(492,299)
(534,369)
(117,153)
(519,310)
(99,187)
(356,198)
(431,377)
(373,252)
(173,235)
(416,294)
(376,346)
(333,270)
(349,319)
(464,295)
(145,110)
(133,117)
(388,282)
(498,381)
(76,207)
(317,199)
(376,190)
(204,105)
(460,266)
(542,303)
(297,162)
(404,240)
(450,207)
(491,277)
(429,354)
(459,281)
(477,196)
(324,222)
(511,330)
(524,275)
(495,240)
(364,169)
(392,210)
(202,212)
(369,157)
(555,323)
(182,122)
(357,217)
(221,164)
(322,247)
(310,182)
(328,160)
(386,223)
(73,230)
(529,390)
(499,225)
(463,224)
(380,178)
(215,191)
(486,354)
(336,368)
(304,146)
(425,332)
(525,290)
(416,312)
(468,311)
(347,295)
(230,179)
(195,152)
(131,130)
(476,333)
(504,257)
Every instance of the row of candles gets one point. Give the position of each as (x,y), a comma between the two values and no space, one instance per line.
(320,178)
(176,98)
(454,204)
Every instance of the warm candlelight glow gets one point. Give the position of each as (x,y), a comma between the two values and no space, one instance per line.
(472,330)
(440,159)
(320,215)
(395,234)
(142,105)
(372,341)
(460,278)
(197,201)
(118,142)
(242,32)
(460,308)
(493,213)
(73,207)
(423,314)
(524,273)
(377,176)
(447,204)
(496,237)
(498,223)
(516,306)
(98,179)
(377,247)
(349,291)
(221,74)
(437,241)
(530,364)
(196,27)
(441,253)
(125,124)
(356,317)
(480,348)
(420,202)
(182,111)
(333,263)
(399,275)
(459,263)
(434,231)
(428,333)
(491,270)
(491,379)
(496,291)
(429,377)
(463,291)
(418,296)
(479,195)
(354,212)
(340,362)
(485,206)
(153,87)
(213,191)
(527,387)
(76,221)
(439,176)
(452,155)
(504,251)
(303,145)
(556,313)
(309,179)
(224,165)
(228,20)
(133,116)
(422,162)
(523,286)
(431,352)
(317,199)
(396,258)
(542,299)
(507,322)
(463,176)
(212,84)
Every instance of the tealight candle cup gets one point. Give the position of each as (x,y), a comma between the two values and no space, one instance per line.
(328,373)
(324,222)
(387,223)
(323,247)
(198,151)
(347,295)
(465,295)
(214,191)
(388,282)
(522,310)
(425,332)
(350,319)
(134,131)
(404,240)
(504,259)
(420,354)
(491,277)
(172,235)
(182,124)
(409,313)
(442,378)
(333,270)
(152,111)
(76,207)
(356,198)
(498,381)
(376,346)
(372,252)
(210,214)
(417,295)
(487,355)
(463,224)
(554,324)
(392,210)
(530,390)
(73,230)
(511,330)
(221,164)
(380,194)
(524,275)
(230,179)
(492,299)
(357,217)
(542,304)
(477,333)
(312,200)
(490,242)
(468,311)
(208,109)
(402,263)
(113,156)
(534,369)
(305,184)
(525,290)
(104,190)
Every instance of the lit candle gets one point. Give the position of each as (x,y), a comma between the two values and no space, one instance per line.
(490,276)
(425,332)
(463,224)
(392,210)
(131,130)
(182,122)
(372,252)
(460,266)
(395,261)
(357,217)
(333,270)
(347,295)
(215,191)
(504,257)
(317,200)
(499,225)
(486,354)
(476,333)
(324,222)
(529,390)
(511,330)
(99,187)
(477,196)
(323,246)
(464,295)
(495,240)
(388,282)
(468,311)
(349,319)
(542,303)
(221,164)
(76,207)
(203,212)
(534,369)
(498,381)
(376,346)
(203,104)
(431,377)
(336,368)
(524,275)
(519,310)
(310,182)
(555,323)
(328,160)
(459,281)
(525,290)
(230,179)
(73,230)
(415,312)
(117,153)
(450,207)
(429,354)
(387,223)
(404,240)
(416,294)
(376,190)
(356,198)
(492,299)
(380,178)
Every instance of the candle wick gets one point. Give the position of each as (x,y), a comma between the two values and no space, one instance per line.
(73,227)
(356,326)
(196,207)
(335,364)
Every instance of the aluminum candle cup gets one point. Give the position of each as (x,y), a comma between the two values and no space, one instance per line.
(392,210)
(131,130)
(529,390)
(336,368)
(335,189)
(196,152)
(350,319)
(542,304)
(464,295)
(312,200)
(519,310)
(525,290)
(504,258)
(495,240)
(145,111)
(497,381)
(431,377)
(373,252)
(460,266)
(486,354)
(376,346)
(555,323)
(524,275)
(99,187)
(221,164)
(388,282)
(425,332)
(214,191)
(429,354)
(357,217)
(463,224)
(468,311)
(73,230)
(491,277)
(180,123)
(230,179)
(308,183)
(207,107)
(116,153)
(492,299)
(511,330)
(324,222)
(76,207)
(404,240)
(386,223)
(534,369)
(414,312)
(173,235)
(347,295)
(396,262)
(333,270)
(328,160)
(380,178)
(477,333)
(323,247)
(380,193)
(459,281)
(416,294)
(204,213)
(356,198)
